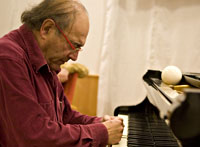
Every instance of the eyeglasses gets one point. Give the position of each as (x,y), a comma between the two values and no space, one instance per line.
(75,49)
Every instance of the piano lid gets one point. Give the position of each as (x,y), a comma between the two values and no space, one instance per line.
(167,97)
(181,107)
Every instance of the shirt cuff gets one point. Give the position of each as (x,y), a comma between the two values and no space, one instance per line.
(100,133)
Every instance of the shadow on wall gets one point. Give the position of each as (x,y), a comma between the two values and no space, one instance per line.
(172,5)
(139,4)
(176,4)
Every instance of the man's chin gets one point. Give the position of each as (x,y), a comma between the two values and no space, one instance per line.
(55,68)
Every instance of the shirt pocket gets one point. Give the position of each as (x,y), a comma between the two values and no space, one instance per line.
(49,108)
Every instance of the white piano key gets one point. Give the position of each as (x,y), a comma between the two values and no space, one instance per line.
(125,121)
(122,143)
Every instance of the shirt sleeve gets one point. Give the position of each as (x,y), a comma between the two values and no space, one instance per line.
(29,124)
(71,116)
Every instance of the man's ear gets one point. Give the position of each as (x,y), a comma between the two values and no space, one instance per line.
(47,27)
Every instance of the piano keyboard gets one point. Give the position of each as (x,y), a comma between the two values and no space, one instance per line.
(144,128)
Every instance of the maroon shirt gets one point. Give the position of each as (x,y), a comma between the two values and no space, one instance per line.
(33,108)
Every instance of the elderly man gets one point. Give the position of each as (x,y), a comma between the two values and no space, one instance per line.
(33,109)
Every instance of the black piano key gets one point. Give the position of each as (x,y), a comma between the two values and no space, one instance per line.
(159,138)
(157,134)
(160,128)
(139,133)
(165,144)
(139,123)
(143,138)
(140,142)
(135,145)
(164,131)
(140,128)
(140,137)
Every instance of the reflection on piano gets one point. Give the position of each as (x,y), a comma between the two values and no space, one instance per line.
(166,118)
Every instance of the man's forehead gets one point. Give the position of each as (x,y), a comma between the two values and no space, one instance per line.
(80,28)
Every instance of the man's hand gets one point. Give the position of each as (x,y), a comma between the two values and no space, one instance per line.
(63,75)
(107,117)
(115,128)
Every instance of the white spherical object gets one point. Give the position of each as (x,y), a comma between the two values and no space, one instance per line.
(171,75)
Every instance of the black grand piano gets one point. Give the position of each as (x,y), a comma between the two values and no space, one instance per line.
(168,117)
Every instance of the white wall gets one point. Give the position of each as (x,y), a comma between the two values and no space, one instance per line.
(91,51)
(10,12)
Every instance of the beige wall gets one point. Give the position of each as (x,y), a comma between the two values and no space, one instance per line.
(10,12)
(91,52)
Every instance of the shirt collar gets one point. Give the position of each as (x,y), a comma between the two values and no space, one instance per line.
(33,50)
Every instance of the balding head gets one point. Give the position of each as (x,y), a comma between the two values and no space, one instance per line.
(64,12)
